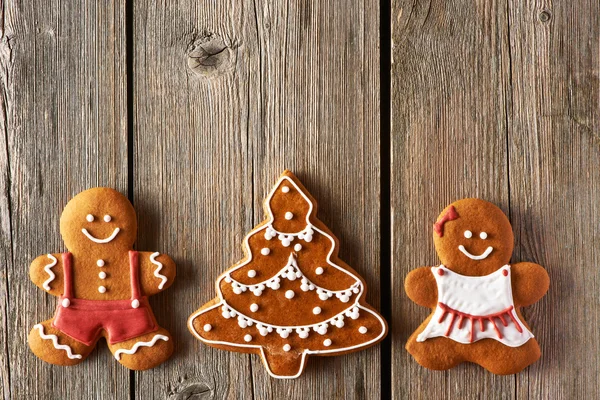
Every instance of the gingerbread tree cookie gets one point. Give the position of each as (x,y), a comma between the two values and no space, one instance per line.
(103,286)
(291,295)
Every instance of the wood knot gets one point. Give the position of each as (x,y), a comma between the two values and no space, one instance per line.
(545,16)
(209,56)
(194,388)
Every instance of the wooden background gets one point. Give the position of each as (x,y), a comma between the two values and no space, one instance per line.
(386,111)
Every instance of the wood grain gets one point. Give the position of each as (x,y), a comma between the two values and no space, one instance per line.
(63,120)
(227,95)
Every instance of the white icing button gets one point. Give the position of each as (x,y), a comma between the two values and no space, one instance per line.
(468,234)
(135,303)
(317,310)
(101,289)
(483,235)
(100,263)
(66,303)
(287,347)
(362,329)
(107,218)
(207,327)
(265,251)
(102,275)
(327,342)
(254,307)
(285,189)
(298,247)
(248,338)
(290,294)
(289,215)
(319,271)
(251,273)
(89,218)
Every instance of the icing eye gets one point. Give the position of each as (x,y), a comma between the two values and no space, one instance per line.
(89,218)
(483,235)
(107,218)
(468,234)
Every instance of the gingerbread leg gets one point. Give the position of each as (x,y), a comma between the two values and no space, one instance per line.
(54,347)
(437,353)
(284,364)
(500,359)
(144,352)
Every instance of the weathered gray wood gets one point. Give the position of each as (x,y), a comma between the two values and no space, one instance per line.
(554,153)
(227,95)
(63,121)
(449,83)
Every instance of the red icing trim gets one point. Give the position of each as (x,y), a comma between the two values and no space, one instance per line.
(450,215)
(504,272)
(68,275)
(440,272)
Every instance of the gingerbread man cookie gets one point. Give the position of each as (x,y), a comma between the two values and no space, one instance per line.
(475,294)
(291,296)
(103,287)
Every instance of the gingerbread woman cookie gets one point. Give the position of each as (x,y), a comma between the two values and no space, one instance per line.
(475,294)
(291,296)
(103,287)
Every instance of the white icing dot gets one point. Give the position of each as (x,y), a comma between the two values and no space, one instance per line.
(289,215)
(468,234)
(254,307)
(89,218)
(289,294)
(248,338)
(251,273)
(100,263)
(298,247)
(107,218)
(102,275)
(207,327)
(101,289)
(287,347)
(362,329)
(319,271)
(285,189)
(66,303)
(317,310)
(483,235)
(135,303)
(327,342)
(265,251)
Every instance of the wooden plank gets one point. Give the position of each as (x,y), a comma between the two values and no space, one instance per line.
(450,70)
(63,127)
(267,86)
(554,179)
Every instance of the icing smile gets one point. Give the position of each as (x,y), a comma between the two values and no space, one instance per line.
(474,257)
(96,240)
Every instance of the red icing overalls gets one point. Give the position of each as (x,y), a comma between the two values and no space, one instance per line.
(84,320)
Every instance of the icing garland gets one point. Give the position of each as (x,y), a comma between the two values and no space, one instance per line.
(157,270)
(291,272)
(140,344)
(286,238)
(54,340)
(48,269)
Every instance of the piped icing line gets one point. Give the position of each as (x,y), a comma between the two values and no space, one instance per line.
(48,269)
(136,346)
(54,340)
(96,240)
(473,256)
(157,270)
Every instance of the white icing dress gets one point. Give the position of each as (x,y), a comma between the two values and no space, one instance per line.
(471,308)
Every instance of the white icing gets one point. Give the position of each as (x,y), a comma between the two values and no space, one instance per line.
(89,218)
(248,338)
(327,342)
(298,247)
(135,303)
(107,218)
(96,240)
(289,294)
(474,257)
(251,273)
(136,346)
(476,296)
(265,251)
(102,275)
(100,263)
(285,189)
(66,303)
(101,289)
(207,327)
(319,271)
(48,269)
(362,329)
(483,235)
(468,234)
(54,340)
(289,215)
(254,307)
(157,270)
(317,310)
(287,347)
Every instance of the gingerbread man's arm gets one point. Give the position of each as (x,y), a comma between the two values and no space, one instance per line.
(157,272)
(421,287)
(47,273)
(530,282)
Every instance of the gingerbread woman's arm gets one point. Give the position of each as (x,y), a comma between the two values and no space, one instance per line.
(421,287)
(47,273)
(157,272)
(530,282)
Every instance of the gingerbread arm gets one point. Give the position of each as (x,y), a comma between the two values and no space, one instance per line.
(530,282)
(157,272)
(47,273)
(421,287)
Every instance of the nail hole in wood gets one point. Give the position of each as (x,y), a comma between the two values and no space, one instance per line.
(545,16)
